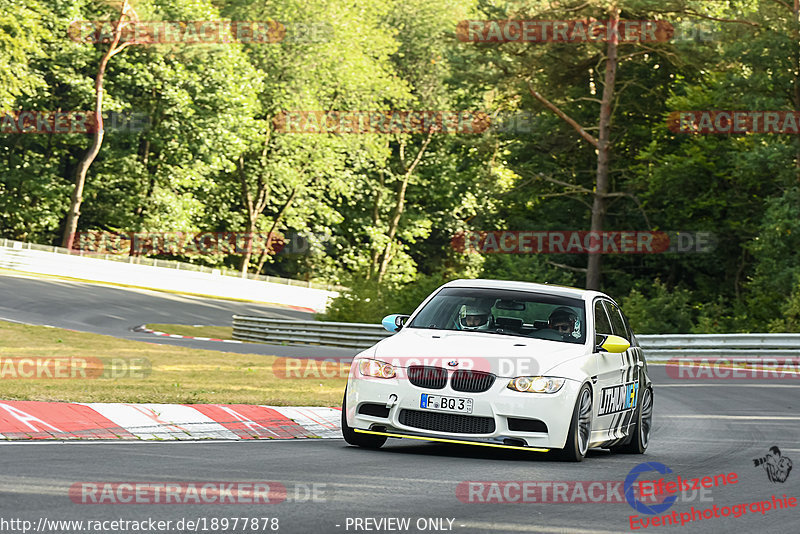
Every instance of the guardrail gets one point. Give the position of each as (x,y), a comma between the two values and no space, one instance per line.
(656,347)
(349,335)
(731,346)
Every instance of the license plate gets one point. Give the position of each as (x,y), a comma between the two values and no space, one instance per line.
(445,404)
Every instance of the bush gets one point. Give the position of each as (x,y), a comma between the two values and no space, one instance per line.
(660,311)
(366,301)
(790,322)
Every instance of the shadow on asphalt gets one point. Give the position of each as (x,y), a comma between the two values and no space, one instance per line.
(398,447)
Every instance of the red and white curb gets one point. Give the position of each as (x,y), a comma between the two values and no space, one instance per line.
(146,330)
(30,420)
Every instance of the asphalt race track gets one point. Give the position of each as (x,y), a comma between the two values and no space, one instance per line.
(702,428)
(115,311)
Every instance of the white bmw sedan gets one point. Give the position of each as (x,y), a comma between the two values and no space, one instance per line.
(504,364)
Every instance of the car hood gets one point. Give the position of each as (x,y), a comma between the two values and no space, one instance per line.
(506,356)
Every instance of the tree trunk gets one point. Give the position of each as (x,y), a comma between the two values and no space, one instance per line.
(796,20)
(376,209)
(386,256)
(248,247)
(603,154)
(252,215)
(76,200)
(74,212)
(393,224)
(275,223)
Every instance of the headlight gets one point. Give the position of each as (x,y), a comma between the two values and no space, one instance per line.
(536,384)
(376,368)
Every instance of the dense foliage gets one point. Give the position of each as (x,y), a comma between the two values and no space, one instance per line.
(383,209)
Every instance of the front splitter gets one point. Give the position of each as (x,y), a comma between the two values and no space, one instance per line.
(446,440)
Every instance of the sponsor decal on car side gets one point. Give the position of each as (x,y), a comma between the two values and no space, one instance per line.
(618,398)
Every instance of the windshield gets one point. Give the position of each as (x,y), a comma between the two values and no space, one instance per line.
(506,312)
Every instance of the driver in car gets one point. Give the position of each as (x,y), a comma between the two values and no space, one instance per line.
(472,317)
(563,321)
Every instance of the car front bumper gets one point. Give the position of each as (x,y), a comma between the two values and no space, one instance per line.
(498,403)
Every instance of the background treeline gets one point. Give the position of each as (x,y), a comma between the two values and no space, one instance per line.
(389,205)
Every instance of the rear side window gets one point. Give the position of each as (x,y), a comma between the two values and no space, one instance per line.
(617,322)
(601,324)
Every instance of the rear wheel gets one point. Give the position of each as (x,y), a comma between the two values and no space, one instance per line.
(640,435)
(580,429)
(368,441)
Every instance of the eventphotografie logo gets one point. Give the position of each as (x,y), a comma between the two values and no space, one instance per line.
(776,465)
(631,482)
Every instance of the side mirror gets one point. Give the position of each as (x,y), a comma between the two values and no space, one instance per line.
(614,344)
(394,323)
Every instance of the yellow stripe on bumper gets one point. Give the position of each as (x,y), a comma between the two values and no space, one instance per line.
(444,440)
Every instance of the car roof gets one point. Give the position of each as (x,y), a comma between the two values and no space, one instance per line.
(562,291)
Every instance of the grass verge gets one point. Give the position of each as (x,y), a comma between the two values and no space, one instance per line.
(161,373)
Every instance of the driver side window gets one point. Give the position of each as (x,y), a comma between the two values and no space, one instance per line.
(602,326)
(601,322)
(617,323)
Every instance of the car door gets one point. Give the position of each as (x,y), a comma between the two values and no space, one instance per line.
(607,371)
(629,368)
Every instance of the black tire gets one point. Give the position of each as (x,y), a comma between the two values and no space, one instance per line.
(580,428)
(640,435)
(367,441)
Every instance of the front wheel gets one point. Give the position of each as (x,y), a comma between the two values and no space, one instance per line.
(580,428)
(368,441)
(640,437)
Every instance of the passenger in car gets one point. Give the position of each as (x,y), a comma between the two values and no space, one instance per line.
(563,320)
